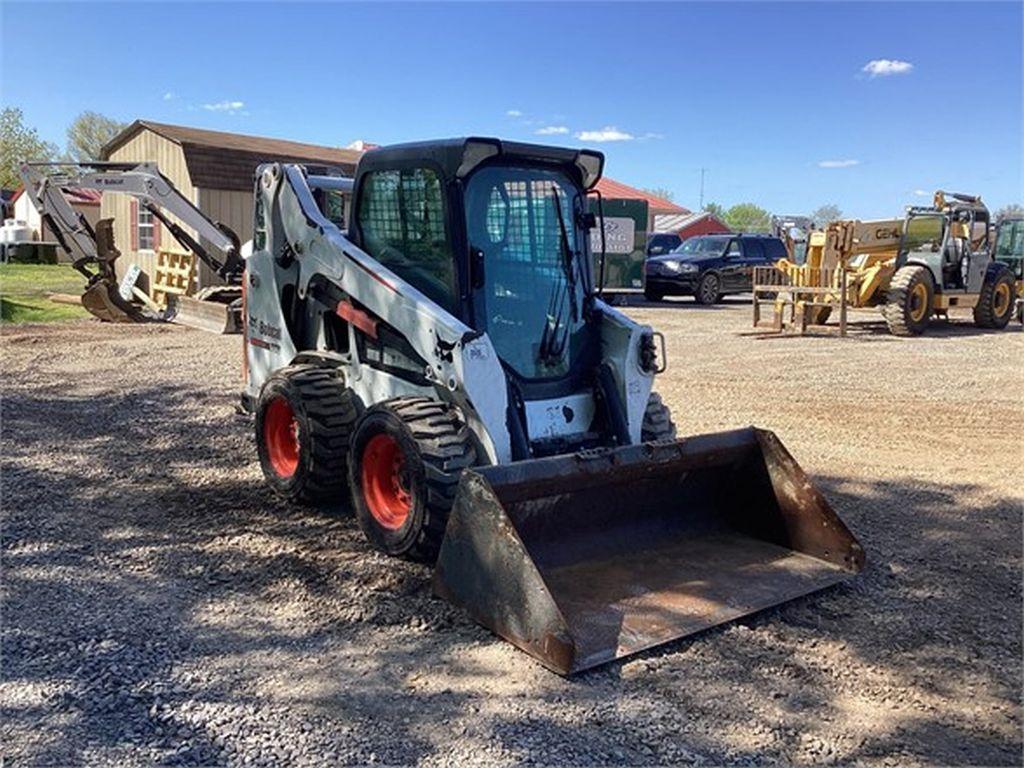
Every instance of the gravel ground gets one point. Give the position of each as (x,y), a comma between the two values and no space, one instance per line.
(160,607)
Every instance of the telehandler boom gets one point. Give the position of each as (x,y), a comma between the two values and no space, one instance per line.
(449,367)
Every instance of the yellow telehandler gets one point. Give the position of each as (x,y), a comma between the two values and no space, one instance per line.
(935,258)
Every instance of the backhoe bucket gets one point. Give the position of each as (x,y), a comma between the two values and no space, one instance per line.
(102,300)
(584,558)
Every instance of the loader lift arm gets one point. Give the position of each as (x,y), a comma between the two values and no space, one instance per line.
(44,183)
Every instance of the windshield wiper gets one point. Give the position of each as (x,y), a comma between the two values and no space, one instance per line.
(568,257)
(552,347)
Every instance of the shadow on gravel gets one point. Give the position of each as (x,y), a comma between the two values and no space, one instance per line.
(875,330)
(158,602)
(679,302)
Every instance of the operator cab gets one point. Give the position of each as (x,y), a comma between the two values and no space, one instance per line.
(496,233)
(951,239)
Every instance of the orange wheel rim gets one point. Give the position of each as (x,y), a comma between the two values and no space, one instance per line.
(918,301)
(385,486)
(281,436)
(1001,299)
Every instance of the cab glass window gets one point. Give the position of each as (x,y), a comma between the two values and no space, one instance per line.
(402,221)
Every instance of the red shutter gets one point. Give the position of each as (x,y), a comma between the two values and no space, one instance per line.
(156,234)
(134,223)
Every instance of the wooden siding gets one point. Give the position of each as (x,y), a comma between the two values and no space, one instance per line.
(146,146)
(233,208)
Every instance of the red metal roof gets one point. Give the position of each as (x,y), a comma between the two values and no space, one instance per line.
(616,190)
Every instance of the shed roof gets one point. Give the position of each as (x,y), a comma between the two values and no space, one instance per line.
(220,160)
(677,222)
(613,189)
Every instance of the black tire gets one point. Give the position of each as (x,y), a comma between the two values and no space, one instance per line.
(996,302)
(313,404)
(433,446)
(908,305)
(709,289)
(819,315)
(653,294)
(657,423)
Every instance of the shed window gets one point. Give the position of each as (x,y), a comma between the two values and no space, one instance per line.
(145,226)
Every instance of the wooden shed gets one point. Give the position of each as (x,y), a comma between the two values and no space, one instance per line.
(214,169)
(691,224)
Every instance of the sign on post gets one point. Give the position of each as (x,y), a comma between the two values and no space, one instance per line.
(619,235)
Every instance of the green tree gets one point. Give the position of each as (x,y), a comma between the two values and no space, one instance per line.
(748,217)
(88,133)
(716,210)
(664,194)
(825,214)
(1012,211)
(19,143)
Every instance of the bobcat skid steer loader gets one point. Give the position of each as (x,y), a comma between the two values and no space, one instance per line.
(449,365)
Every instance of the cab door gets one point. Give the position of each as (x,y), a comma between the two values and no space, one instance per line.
(753,256)
(731,270)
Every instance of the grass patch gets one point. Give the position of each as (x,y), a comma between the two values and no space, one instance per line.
(24,289)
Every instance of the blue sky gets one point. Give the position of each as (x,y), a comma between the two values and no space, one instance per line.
(773,99)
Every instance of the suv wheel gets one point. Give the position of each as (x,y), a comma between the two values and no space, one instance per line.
(709,289)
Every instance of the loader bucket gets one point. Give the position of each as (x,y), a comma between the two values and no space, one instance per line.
(584,558)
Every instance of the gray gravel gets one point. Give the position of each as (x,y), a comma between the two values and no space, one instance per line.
(159,607)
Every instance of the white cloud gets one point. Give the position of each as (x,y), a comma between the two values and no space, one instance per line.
(838,163)
(552,130)
(514,113)
(608,133)
(225,106)
(920,193)
(169,95)
(886,67)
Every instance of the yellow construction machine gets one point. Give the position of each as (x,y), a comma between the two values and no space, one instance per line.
(845,265)
(934,258)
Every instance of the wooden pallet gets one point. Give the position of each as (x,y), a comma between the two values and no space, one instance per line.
(174,275)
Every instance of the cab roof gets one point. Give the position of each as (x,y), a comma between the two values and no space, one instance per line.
(457,158)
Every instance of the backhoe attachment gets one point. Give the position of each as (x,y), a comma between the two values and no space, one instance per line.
(92,252)
(585,558)
(102,296)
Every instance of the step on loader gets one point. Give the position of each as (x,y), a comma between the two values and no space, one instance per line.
(439,358)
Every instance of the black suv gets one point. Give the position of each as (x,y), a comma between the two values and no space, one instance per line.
(710,266)
(662,242)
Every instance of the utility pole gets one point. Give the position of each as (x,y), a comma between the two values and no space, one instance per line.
(702,172)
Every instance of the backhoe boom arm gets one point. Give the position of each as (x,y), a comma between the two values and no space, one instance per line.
(142,181)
